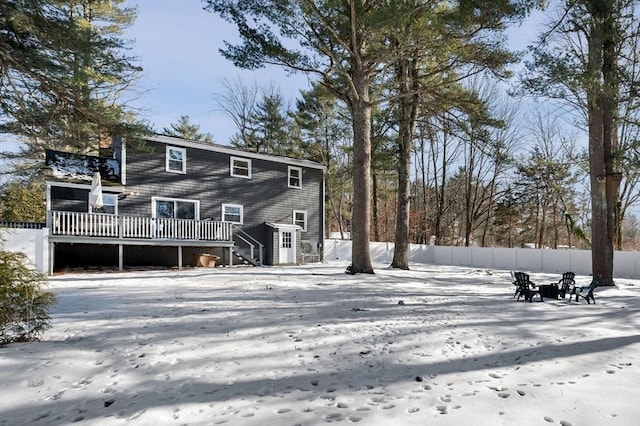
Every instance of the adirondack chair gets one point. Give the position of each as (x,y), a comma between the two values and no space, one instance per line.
(586,292)
(526,287)
(515,283)
(566,283)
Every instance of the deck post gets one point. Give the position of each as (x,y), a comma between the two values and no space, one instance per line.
(230,256)
(52,247)
(180,258)
(120,257)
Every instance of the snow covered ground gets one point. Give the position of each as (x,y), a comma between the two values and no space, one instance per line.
(311,345)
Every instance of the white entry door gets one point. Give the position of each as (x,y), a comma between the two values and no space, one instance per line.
(287,252)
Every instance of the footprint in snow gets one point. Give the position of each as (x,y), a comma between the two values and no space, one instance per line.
(442,409)
(333,417)
(58,394)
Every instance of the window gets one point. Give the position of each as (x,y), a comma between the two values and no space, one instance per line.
(109,205)
(241,167)
(176,160)
(300,219)
(295,177)
(287,239)
(173,208)
(232,213)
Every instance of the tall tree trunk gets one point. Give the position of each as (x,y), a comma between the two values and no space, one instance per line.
(425,237)
(407,79)
(610,111)
(374,207)
(361,216)
(605,182)
(440,193)
(468,191)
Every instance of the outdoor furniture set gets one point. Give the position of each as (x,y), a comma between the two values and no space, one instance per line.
(565,285)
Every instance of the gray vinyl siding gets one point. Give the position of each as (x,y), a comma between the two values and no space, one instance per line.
(265,197)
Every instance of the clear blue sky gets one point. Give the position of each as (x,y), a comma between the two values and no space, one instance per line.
(177,43)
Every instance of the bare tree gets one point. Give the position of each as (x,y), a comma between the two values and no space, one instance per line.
(239,102)
(548,179)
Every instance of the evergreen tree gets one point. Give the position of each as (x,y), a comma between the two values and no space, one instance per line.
(187,130)
(583,60)
(346,44)
(325,137)
(23,202)
(272,125)
(63,70)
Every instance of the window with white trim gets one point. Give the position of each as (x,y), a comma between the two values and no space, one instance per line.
(300,219)
(295,177)
(232,213)
(176,161)
(240,167)
(109,205)
(175,208)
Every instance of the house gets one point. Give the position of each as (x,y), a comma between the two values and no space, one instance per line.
(177,201)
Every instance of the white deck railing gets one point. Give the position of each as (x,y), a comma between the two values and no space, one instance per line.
(112,226)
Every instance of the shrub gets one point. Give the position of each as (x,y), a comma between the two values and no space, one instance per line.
(24,303)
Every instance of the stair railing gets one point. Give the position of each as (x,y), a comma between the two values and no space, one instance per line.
(251,242)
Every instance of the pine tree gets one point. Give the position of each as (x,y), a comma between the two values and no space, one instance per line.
(187,130)
(23,202)
(586,61)
(346,44)
(63,70)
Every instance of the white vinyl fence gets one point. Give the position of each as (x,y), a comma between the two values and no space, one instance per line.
(626,263)
(34,243)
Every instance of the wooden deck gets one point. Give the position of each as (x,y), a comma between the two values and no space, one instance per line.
(99,228)
(85,227)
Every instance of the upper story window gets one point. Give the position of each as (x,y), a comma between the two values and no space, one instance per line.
(232,213)
(109,205)
(300,219)
(176,160)
(240,167)
(295,177)
(174,208)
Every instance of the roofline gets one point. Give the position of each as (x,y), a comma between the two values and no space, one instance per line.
(170,140)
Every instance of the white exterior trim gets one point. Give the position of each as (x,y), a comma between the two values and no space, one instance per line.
(154,200)
(168,159)
(232,161)
(231,151)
